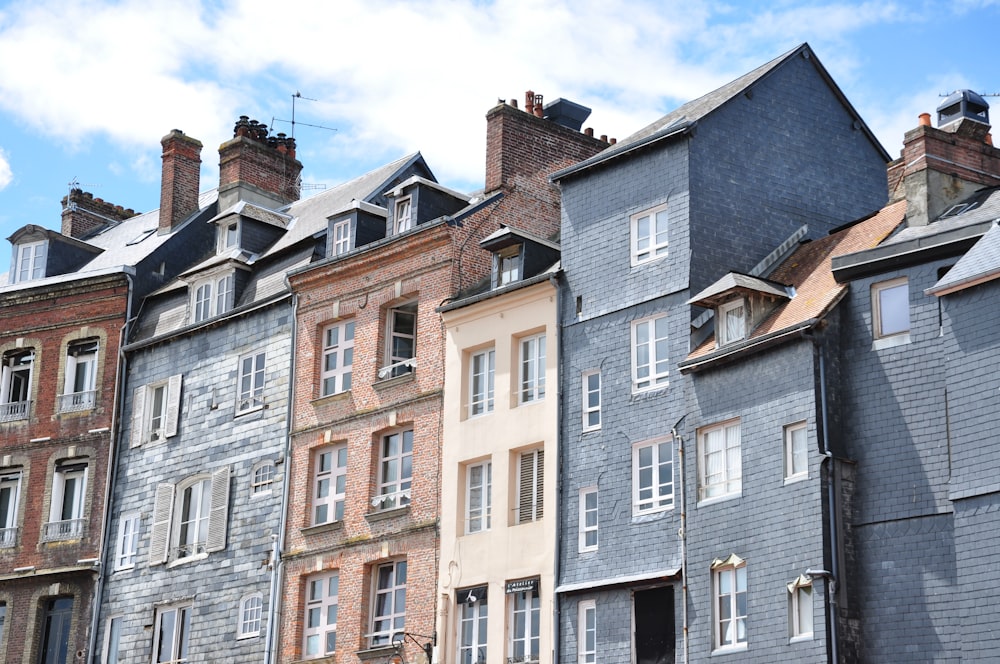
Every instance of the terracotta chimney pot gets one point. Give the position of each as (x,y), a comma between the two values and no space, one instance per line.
(925,119)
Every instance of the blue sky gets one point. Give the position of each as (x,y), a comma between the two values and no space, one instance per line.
(88,87)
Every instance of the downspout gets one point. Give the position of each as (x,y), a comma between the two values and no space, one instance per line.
(831,583)
(682,533)
(118,405)
(277,563)
(557,613)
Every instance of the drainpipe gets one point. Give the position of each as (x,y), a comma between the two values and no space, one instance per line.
(557,613)
(831,583)
(277,563)
(118,405)
(682,533)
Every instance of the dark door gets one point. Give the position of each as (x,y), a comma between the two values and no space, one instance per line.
(654,625)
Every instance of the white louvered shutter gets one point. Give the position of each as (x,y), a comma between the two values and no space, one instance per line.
(219,516)
(138,416)
(159,538)
(173,406)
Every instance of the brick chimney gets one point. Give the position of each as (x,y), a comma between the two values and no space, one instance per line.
(521,144)
(941,166)
(180,180)
(83,215)
(257,167)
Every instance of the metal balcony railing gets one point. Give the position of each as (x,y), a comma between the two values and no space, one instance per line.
(55,531)
(69,403)
(15,410)
(8,538)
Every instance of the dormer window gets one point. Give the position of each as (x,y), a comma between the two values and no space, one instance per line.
(229,236)
(732,322)
(340,235)
(403,219)
(507,266)
(212,297)
(29,261)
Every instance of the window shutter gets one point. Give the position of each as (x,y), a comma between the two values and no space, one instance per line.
(173,406)
(539,482)
(219,514)
(159,538)
(138,415)
(526,488)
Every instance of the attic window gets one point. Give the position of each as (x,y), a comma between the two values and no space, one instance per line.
(956,210)
(506,266)
(141,236)
(229,236)
(29,261)
(403,221)
(732,325)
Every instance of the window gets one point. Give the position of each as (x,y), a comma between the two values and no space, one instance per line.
(229,236)
(472,625)
(251,610)
(532,373)
(190,519)
(389,615)
(329,484)
(263,478)
(891,308)
(403,219)
(402,341)
(591,400)
(478,497)
(10,491)
(205,305)
(649,235)
(586,646)
(395,471)
(203,302)
(481,372)
(650,363)
(523,626)
(721,469)
(112,641)
(732,322)
(128,541)
(15,385)
(341,236)
(796,452)
(29,261)
(155,411)
(507,266)
(800,609)
(55,635)
(530,480)
(79,389)
(224,294)
(652,476)
(3,619)
(69,485)
(338,358)
(730,580)
(588,519)
(653,620)
(320,633)
(171,634)
(251,388)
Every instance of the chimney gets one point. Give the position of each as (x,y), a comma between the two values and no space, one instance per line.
(83,215)
(257,167)
(180,179)
(942,166)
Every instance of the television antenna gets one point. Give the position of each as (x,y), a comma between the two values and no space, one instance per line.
(299,95)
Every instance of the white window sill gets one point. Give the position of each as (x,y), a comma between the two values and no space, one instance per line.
(636,391)
(591,429)
(730,650)
(252,635)
(248,411)
(719,499)
(187,559)
(801,638)
(891,342)
(795,479)
(639,517)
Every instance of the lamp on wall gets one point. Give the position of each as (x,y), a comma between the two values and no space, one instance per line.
(400,637)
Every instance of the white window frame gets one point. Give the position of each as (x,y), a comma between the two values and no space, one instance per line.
(476,616)
(399,361)
(725,335)
(10,497)
(591,388)
(531,368)
(530,486)
(179,634)
(250,616)
(168,512)
(586,644)
(127,542)
(402,218)
(796,452)
(650,336)
(800,610)
(337,357)
(727,481)
(322,603)
(29,263)
(15,384)
(649,232)
(385,608)
(652,476)
(340,237)
(728,583)
(229,236)
(67,519)
(395,470)
(224,292)
(191,534)
(524,646)
(251,382)
(482,374)
(202,301)
(112,640)
(880,306)
(479,518)
(329,484)
(80,376)
(262,478)
(156,411)
(507,265)
(589,519)
(212,297)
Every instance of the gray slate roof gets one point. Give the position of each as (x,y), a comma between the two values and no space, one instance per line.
(979,264)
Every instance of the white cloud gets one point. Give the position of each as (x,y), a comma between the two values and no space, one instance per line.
(6,174)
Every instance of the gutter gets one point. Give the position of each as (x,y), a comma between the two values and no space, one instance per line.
(560,366)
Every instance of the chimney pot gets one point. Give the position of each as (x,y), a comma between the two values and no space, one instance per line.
(989,139)
(529,102)
(604,138)
(613,141)
(925,119)
(589,131)
(513,102)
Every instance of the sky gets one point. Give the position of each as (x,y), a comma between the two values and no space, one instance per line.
(89,87)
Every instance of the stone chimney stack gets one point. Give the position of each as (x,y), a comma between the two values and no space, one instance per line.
(941,166)
(180,180)
(257,167)
(83,215)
